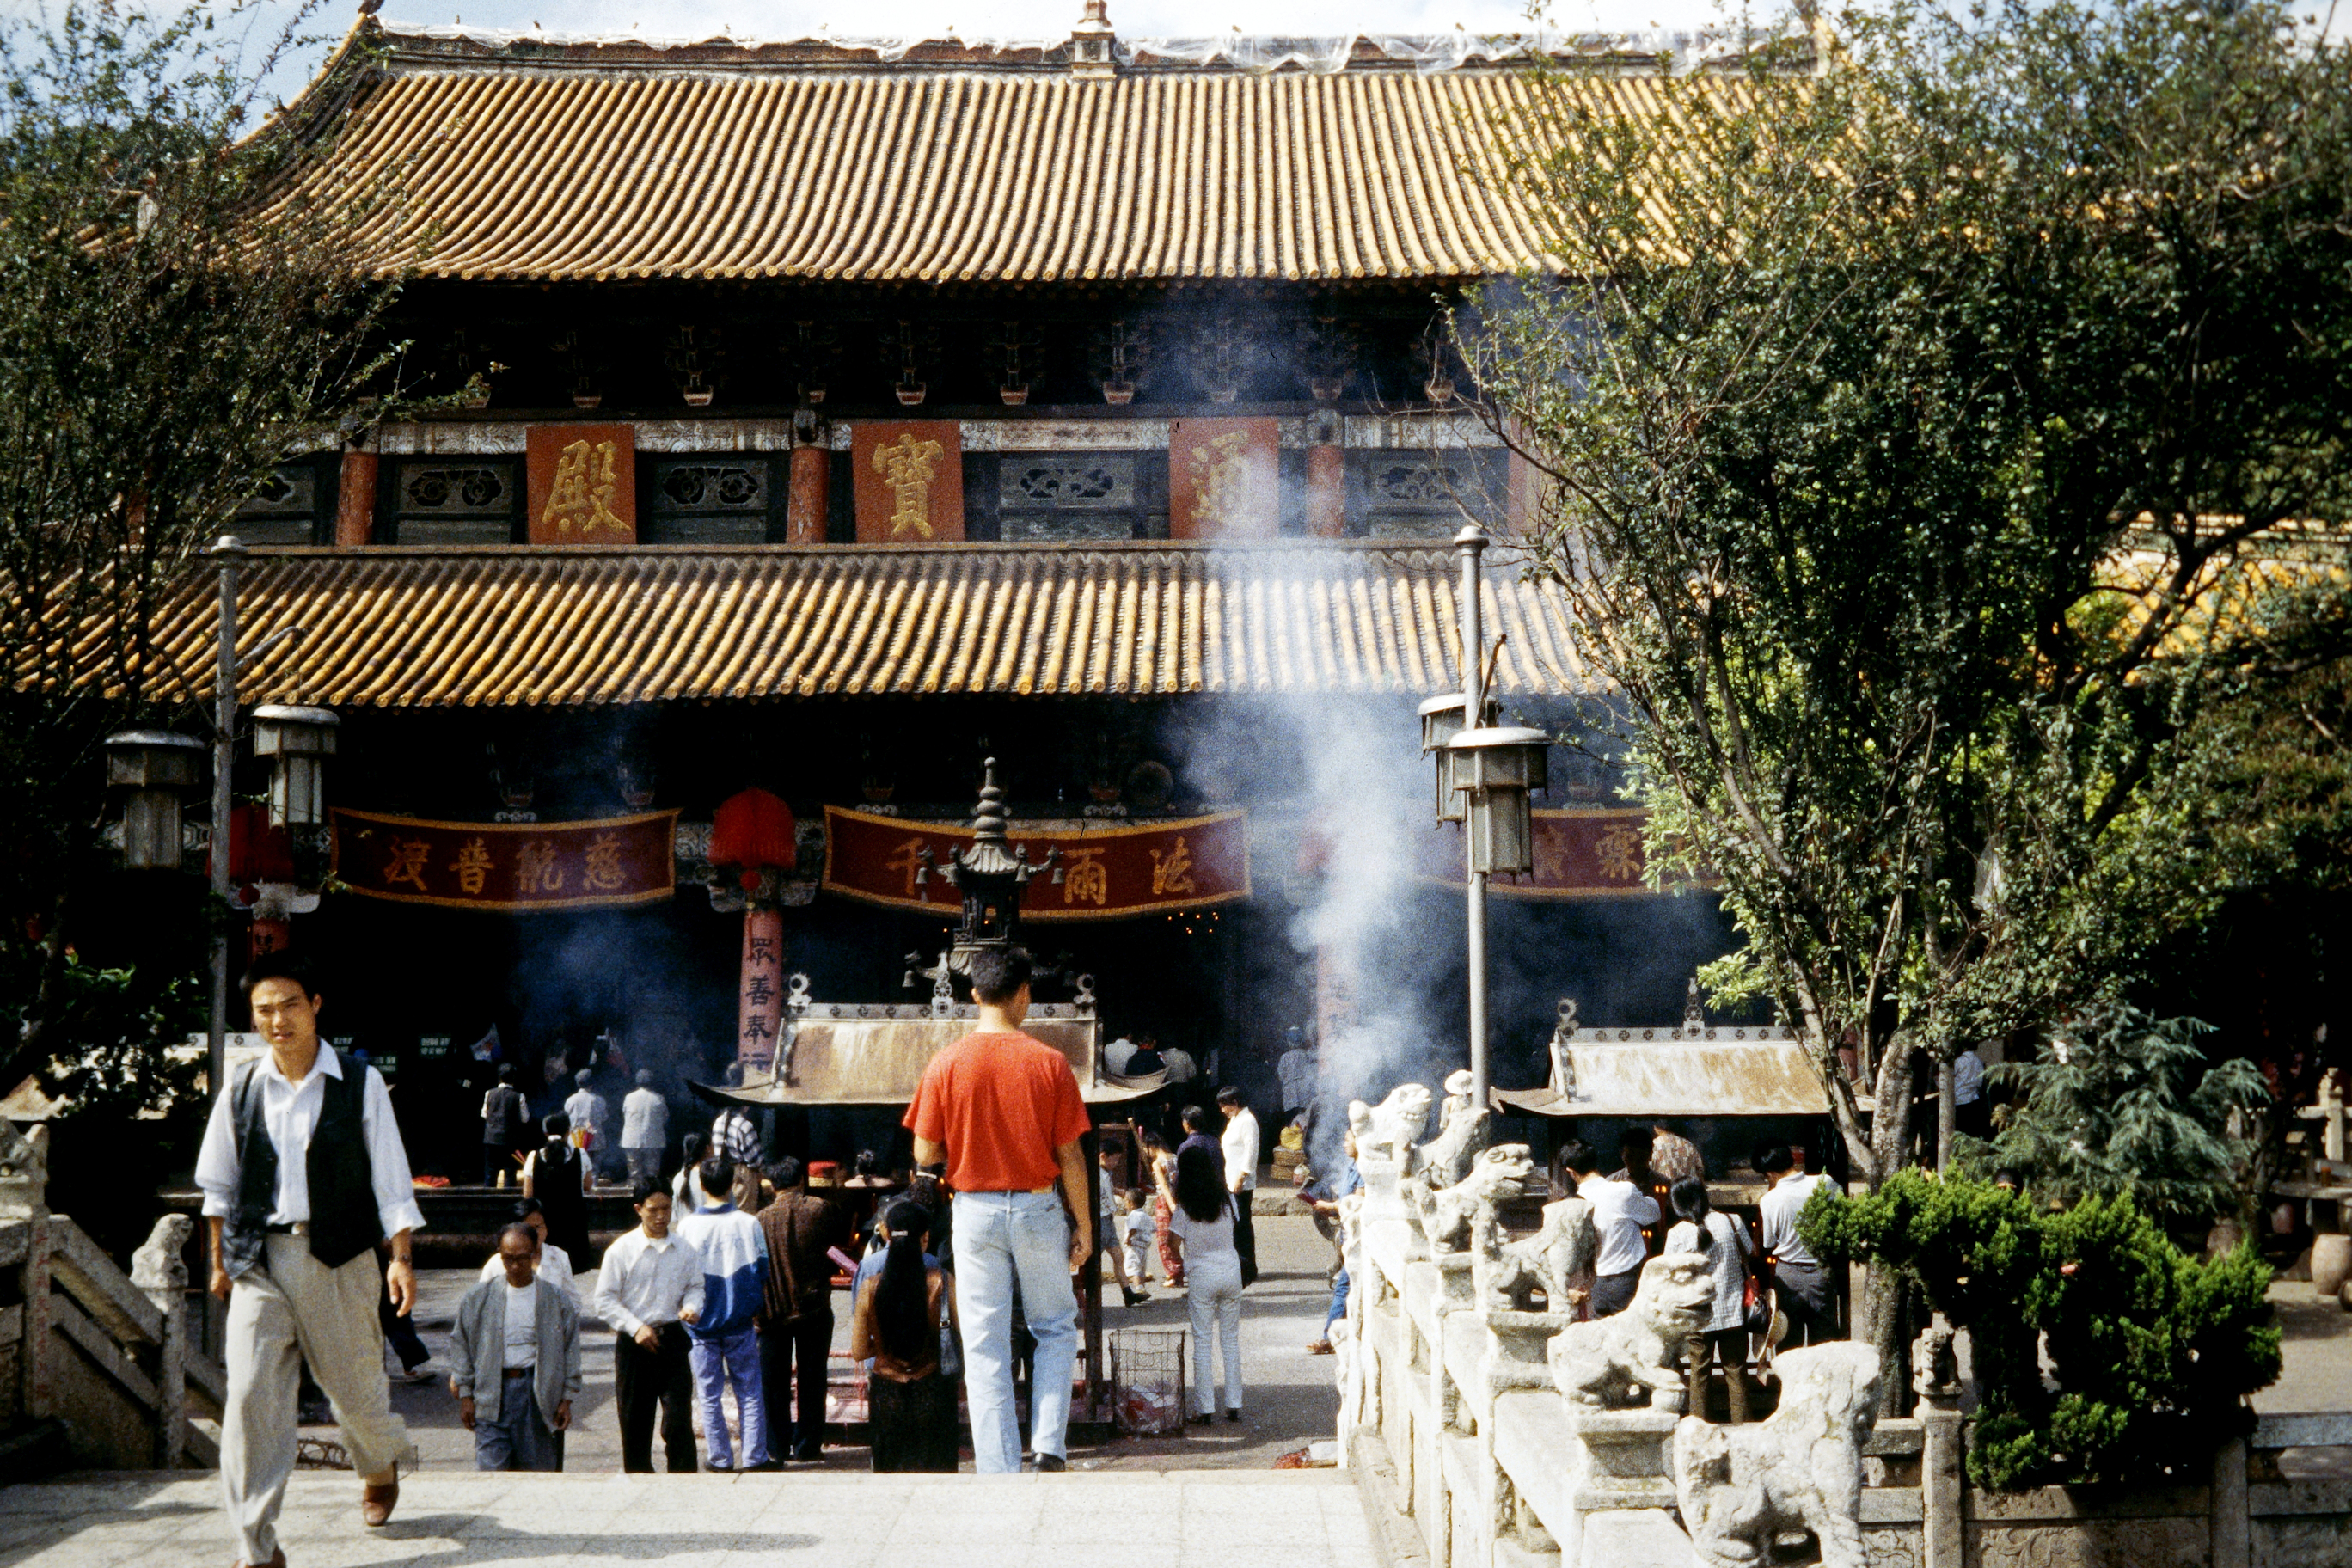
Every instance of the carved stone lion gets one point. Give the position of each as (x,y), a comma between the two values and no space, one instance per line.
(1507,1274)
(1935,1366)
(1446,1159)
(1387,1131)
(23,1166)
(159,1265)
(1495,1175)
(1613,1362)
(1742,1487)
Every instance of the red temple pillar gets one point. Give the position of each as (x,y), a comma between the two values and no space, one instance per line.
(1327,491)
(804,498)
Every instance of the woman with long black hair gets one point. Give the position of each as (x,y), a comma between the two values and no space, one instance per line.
(1723,1242)
(910,1400)
(557,1178)
(1200,1225)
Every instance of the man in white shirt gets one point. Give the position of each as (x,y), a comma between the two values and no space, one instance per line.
(1801,1285)
(1179,1062)
(1240,1142)
(648,1289)
(644,1129)
(514,1363)
(1620,1210)
(303,1175)
(1117,1055)
(548,1262)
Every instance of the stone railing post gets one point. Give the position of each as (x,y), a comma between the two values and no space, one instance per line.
(159,1270)
(1942,1484)
(2233,1529)
(24,1200)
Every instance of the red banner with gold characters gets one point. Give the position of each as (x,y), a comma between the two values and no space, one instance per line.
(582,483)
(1589,854)
(1107,873)
(509,868)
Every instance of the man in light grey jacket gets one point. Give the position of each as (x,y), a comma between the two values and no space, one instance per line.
(514,1363)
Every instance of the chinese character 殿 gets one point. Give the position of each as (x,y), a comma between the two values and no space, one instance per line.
(581,498)
(1219,478)
(906,466)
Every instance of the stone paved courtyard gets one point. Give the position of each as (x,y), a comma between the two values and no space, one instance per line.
(1301,1519)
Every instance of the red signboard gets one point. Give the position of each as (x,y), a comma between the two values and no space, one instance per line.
(507,867)
(1107,873)
(1224,478)
(907,480)
(582,483)
(1587,854)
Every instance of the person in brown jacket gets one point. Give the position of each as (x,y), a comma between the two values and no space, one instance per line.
(797,1317)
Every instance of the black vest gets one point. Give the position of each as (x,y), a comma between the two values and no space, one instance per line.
(345,1219)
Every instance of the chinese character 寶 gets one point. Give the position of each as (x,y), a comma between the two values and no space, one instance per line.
(1219,478)
(906,466)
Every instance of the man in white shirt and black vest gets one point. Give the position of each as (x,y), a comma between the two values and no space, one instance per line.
(303,1176)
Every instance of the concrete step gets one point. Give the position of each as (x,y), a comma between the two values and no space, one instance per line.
(1181,1519)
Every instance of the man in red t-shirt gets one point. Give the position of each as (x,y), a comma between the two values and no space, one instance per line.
(1004,1111)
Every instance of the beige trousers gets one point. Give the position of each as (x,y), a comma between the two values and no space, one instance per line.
(288,1310)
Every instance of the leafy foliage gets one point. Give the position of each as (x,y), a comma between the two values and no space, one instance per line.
(2152,1352)
(1903,424)
(178,314)
(2127,1106)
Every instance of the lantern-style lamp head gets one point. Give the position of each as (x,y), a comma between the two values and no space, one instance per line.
(153,768)
(1493,771)
(301,739)
(1440,721)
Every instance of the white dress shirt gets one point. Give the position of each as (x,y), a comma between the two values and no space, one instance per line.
(1179,1063)
(648,1281)
(523,1325)
(1620,1210)
(290,1113)
(554,1265)
(1779,1210)
(1117,1055)
(1240,1142)
(644,1119)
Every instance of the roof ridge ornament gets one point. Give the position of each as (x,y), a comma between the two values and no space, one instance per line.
(1091,43)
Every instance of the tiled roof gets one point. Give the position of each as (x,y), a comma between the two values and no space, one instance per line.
(548,162)
(443,627)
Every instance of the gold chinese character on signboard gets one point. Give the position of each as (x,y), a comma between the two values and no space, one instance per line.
(1219,477)
(1173,872)
(537,868)
(602,871)
(906,466)
(581,500)
(1085,878)
(1619,853)
(472,865)
(909,859)
(407,862)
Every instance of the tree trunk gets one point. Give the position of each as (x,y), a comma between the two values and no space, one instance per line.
(1878,1316)
(1946,1113)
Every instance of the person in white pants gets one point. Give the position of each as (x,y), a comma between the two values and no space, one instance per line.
(1201,1225)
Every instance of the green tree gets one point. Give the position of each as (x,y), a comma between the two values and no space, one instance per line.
(1903,422)
(2151,1353)
(2124,1105)
(178,315)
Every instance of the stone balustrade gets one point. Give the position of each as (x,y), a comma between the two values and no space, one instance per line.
(1453,1420)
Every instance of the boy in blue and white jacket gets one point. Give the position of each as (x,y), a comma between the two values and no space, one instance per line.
(722,1346)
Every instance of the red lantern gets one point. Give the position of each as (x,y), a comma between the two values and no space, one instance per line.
(752,830)
(256,851)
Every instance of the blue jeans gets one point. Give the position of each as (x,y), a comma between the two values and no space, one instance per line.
(718,1361)
(519,1439)
(1002,1238)
(1339,1303)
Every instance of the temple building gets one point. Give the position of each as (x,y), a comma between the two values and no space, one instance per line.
(817,420)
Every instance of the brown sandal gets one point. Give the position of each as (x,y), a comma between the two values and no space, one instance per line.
(376,1504)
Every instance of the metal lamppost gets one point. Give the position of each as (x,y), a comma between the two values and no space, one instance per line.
(229,553)
(1485,777)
